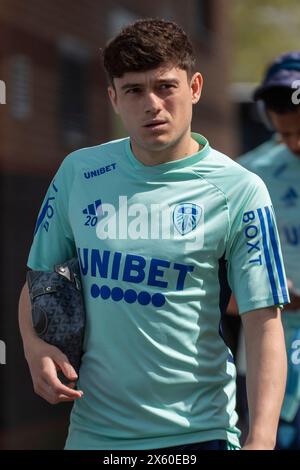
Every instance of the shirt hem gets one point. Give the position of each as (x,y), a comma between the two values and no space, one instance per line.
(155,443)
(243,308)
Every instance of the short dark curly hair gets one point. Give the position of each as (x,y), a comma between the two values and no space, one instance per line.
(145,45)
(279,100)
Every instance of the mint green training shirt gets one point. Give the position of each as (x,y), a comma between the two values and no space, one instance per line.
(280,170)
(158,246)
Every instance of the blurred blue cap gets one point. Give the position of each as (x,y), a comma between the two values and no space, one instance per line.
(283,72)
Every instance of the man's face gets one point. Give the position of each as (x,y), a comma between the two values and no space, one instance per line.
(156,106)
(288,126)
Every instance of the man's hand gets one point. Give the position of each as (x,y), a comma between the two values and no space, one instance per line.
(44,362)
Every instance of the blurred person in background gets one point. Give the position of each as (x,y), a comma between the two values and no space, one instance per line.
(277,162)
(156,372)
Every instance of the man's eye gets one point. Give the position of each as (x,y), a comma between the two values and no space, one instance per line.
(166,86)
(132,91)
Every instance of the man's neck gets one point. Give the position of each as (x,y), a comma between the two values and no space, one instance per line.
(169,154)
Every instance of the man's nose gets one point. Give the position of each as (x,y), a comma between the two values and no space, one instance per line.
(152,103)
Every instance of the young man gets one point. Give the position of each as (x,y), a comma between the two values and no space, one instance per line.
(279,167)
(175,219)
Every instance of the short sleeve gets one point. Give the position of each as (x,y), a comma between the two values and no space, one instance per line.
(53,240)
(255,267)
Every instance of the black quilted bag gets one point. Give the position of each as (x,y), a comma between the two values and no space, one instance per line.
(58,313)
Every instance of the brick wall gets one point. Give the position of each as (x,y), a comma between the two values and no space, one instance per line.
(35,32)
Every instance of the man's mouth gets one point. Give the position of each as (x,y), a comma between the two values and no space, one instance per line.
(154,124)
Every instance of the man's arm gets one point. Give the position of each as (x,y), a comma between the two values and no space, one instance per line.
(45,360)
(266,375)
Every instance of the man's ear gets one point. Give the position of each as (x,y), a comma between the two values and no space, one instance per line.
(196,87)
(264,115)
(113,97)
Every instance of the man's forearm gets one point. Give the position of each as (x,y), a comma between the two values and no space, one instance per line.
(45,360)
(266,375)
(25,323)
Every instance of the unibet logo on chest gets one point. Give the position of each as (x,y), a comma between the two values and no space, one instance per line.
(131,269)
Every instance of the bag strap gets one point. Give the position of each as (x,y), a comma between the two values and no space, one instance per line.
(69,270)
(69,273)
(41,291)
